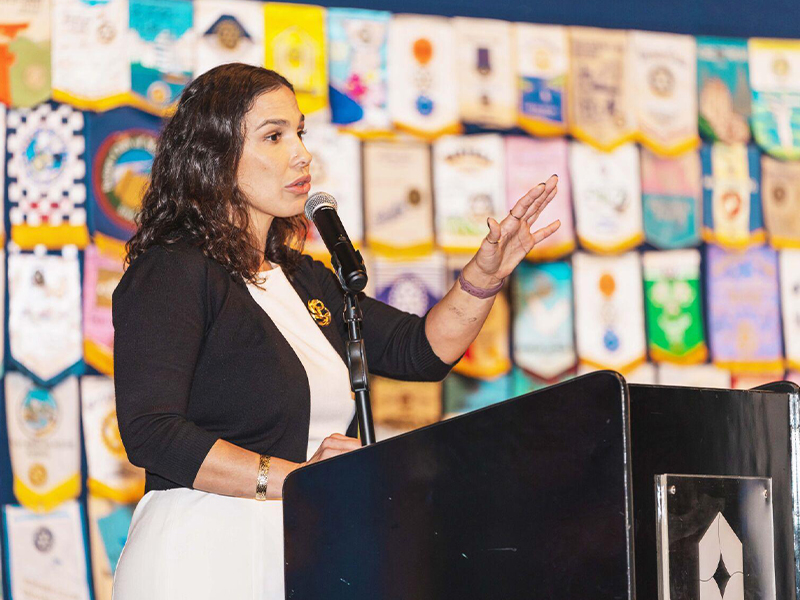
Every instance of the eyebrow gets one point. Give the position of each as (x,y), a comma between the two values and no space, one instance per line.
(280,122)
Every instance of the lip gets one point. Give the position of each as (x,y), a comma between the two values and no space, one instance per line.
(301,182)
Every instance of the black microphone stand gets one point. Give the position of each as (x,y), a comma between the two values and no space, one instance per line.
(356,356)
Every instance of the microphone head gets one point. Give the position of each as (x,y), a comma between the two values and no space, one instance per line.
(317,201)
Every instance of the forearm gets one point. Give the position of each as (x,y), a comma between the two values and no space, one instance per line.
(455,321)
(231,470)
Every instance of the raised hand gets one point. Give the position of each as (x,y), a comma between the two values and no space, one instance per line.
(510,240)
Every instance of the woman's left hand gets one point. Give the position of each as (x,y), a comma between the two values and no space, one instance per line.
(510,240)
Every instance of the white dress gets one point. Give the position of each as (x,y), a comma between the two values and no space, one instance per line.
(186,543)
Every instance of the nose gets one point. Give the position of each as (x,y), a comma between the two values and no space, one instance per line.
(303,157)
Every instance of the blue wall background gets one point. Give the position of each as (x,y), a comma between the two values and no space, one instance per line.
(733,18)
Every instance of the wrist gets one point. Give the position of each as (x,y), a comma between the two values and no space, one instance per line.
(475,276)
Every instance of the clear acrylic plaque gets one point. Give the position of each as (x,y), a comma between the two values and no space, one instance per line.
(715,538)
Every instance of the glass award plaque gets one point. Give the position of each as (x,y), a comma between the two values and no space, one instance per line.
(715,538)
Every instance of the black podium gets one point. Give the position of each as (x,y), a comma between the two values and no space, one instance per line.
(546,496)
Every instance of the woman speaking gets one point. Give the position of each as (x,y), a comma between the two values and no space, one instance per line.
(229,342)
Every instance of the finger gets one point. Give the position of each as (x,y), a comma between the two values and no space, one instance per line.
(521,207)
(545,232)
(343,444)
(495,232)
(536,210)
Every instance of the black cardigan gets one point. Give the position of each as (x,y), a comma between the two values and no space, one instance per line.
(197,359)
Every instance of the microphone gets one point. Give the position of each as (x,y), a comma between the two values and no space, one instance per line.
(321,209)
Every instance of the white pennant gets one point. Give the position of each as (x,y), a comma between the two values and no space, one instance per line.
(398,199)
(336,169)
(228,31)
(469,187)
(90,53)
(44,440)
(606,192)
(47,554)
(111,475)
(609,311)
(486,72)
(423,87)
(664,67)
(44,316)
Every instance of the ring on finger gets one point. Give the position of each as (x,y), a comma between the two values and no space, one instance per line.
(491,242)
(515,216)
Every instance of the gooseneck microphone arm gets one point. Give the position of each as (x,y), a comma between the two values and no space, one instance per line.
(320,208)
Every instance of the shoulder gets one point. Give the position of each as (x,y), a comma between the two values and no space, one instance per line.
(178,268)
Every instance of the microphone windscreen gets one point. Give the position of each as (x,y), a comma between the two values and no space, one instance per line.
(317,201)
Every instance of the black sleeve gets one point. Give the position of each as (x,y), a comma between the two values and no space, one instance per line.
(159,315)
(396,343)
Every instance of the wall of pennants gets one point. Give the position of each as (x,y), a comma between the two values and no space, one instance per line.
(678,259)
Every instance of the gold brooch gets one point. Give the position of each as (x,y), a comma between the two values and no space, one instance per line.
(319,312)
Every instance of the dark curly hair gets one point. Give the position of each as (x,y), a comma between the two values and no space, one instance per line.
(193,193)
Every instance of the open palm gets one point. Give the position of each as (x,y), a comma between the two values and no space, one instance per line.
(510,240)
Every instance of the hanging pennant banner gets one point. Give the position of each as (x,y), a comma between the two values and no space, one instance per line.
(400,406)
(45,177)
(3,155)
(423,83)
(25,52)
(108,531)
(673,306)
(44,313)
(111,475)
(161,42)
(542,64)
(295,45)
(643,373)
(464,394)
(748,381)
(469,187)
(607,196)
(91,70)
(44,441)
(398,200)
(705,376)
(543,326)
(228,31)
(487,86)
(664,71)
(775,79)
(121,145)
(723,80)
(790,303)
(410,285)
(529,162)
(732,216)
(672,203)
(101,274)
(744,309)
(601,106)
(609,318)
(357,66)
(523,382)
(46,553)
(2,307)
(780,197)
(336,169)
